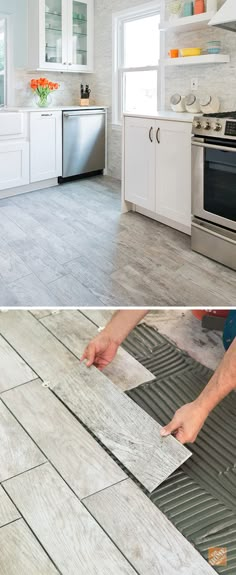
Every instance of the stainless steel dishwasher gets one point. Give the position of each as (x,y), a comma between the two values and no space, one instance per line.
(84,142)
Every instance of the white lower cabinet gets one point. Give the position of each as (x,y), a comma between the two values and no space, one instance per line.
(14,164)
(173,171)
(139,165)
(45,145)
(157,168)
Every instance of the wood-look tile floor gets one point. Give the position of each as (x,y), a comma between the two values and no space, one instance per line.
(66,506)
(71,246)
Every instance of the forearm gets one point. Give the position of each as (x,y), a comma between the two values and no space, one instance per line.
(122,323)
(222,382)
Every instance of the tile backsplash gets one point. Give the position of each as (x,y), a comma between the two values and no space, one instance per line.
(68,93)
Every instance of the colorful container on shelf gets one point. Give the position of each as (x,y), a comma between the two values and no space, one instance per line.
(214,47)
(186,52)
(199,7)
(188,9)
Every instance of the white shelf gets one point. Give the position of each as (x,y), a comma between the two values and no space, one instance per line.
(206,59)
(189,23)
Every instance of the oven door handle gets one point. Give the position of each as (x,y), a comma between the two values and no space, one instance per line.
(212,147)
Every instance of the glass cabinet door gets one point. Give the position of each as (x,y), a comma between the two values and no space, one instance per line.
(2,62)
(80,33)
(80,36)
(54,43)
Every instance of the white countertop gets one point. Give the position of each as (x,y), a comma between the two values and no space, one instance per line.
(166,115)
(52,108)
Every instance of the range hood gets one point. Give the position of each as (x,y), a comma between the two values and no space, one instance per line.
(226,16)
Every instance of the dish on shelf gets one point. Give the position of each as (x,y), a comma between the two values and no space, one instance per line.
(190,52)
(214,47)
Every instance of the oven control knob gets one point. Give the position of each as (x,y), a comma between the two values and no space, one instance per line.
(206,125)
(216,127)
(197,124)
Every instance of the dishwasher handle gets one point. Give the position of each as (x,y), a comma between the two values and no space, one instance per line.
(83,113)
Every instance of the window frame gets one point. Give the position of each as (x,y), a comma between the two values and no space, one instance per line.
(9,85)
(118,21)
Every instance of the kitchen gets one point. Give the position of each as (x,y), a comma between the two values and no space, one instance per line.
(73,243)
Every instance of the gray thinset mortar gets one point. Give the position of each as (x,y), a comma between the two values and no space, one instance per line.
(199,498)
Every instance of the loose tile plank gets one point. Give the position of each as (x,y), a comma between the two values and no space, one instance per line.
(72,538)
(144,535)
(13,370)
(21,554)
(8,511)
(18,453)
(122,426)
(35,344)
(79,459)
(75,331)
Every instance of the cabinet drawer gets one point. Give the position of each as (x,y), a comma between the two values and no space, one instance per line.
(12,124)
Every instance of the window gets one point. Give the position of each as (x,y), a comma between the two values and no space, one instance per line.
(2,61)
(136,55)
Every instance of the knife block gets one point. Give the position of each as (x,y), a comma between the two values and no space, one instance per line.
(84,102)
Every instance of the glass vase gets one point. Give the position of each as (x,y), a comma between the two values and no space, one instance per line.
(43,100)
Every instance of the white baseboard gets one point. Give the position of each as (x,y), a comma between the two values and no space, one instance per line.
(163,220)
(29,188)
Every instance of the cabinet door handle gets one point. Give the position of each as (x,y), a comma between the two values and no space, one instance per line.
(64,63)
(46,115)
(158,136)
(70,63)
(150,134)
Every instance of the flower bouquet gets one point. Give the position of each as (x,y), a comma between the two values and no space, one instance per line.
(42,88)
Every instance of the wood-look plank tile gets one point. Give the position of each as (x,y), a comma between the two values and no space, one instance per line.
(72,538)
(144,535)
(21,553)
(17,451)
(13,370)
(70,291)
(100,317)
(8,511)
(122,426)
(79,459)
(35,344)
(38,261)
(11,266)
(59,249)
(75,331)
(29,290)
(40,313)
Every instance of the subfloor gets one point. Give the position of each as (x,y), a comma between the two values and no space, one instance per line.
(70,246)
(51,471)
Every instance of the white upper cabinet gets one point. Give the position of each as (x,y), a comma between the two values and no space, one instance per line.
(61,35)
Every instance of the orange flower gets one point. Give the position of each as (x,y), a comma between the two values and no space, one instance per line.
(43,84)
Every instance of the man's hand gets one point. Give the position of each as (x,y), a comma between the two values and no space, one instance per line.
(100,351)
(186,423)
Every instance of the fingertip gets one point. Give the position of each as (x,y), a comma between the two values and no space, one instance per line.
(164,432)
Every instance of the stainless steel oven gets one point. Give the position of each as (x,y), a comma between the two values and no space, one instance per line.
(214,190)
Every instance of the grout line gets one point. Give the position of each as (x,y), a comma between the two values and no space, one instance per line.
(31,530)
(15,350)
(10,522)
(19,385)
(104,489)
(22,473)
